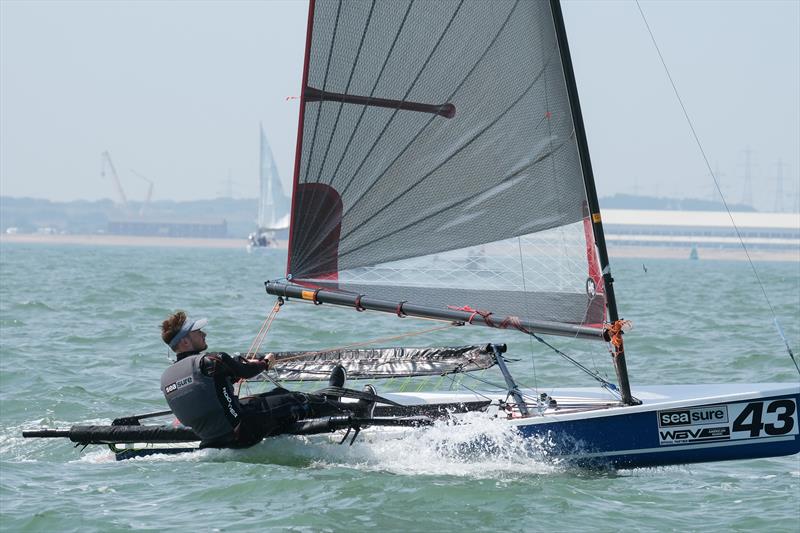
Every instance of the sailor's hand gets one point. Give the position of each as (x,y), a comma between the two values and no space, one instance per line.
(270,359)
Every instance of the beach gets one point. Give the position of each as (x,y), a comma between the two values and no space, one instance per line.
(125,240)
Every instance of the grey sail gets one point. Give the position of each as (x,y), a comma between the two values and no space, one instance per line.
(439,163)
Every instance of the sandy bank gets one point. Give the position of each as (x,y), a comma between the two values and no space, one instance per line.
(124,240)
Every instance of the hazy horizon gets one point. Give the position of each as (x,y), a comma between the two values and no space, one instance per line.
(176,91)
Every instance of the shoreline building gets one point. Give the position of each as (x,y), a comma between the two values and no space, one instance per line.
(703,230)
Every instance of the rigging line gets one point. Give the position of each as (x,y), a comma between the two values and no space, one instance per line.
(525,289)
(408,92)
(302,246)
(262,334)
(536,399)
(591,373)
(716,183)
(786,342)
(594,373)
(464,200)
(473,391)
(259,339)
(499,387)
(259,334)
(584,321)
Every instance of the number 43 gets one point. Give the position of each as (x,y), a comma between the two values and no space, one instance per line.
(754,413)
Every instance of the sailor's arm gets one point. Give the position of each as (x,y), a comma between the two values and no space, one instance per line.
(235,367)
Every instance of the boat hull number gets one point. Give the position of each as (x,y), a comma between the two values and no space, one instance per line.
(726,422)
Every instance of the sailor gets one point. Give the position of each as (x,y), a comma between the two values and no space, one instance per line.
(199,389)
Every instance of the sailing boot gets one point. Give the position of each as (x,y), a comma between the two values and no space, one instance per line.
(366,408)
(337,379)
(338,376)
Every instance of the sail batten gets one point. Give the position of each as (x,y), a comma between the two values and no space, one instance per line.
(398,196)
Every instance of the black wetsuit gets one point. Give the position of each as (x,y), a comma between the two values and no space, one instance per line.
(254,417)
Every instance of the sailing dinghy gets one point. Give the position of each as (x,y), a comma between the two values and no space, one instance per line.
(435,133)
(273,205)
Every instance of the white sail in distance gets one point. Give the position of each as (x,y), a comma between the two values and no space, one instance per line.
(273,204)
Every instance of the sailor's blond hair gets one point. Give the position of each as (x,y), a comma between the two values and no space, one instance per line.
(172,325)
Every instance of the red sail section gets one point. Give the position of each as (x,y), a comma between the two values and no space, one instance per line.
(595,272)
(314,249)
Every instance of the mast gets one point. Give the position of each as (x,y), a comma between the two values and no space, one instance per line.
(591,192)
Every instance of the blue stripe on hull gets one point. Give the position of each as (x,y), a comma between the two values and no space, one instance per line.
(632,441)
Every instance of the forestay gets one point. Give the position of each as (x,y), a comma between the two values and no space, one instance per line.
(438,162)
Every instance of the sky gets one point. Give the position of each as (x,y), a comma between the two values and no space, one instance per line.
(175,91)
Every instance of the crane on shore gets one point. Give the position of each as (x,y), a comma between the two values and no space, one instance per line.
(106,163)
(107,166)
(149,195)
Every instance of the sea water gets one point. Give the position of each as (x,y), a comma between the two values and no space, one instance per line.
(79,342)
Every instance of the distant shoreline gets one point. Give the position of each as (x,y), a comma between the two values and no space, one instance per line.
(710,254)
(642,252)
(123,240)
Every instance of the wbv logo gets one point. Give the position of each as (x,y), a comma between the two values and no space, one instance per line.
(698,416)
(688,435)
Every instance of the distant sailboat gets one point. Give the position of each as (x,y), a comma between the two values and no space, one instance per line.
(273,204)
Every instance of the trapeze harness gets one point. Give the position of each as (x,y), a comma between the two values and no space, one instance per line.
(198,388)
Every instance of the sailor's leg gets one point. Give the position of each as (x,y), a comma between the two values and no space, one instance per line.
(272,413)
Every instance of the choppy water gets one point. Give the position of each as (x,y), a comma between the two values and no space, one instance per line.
(79,341)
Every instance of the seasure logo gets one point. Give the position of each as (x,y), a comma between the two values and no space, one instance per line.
(230,403)
(172,387)
(697,416)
